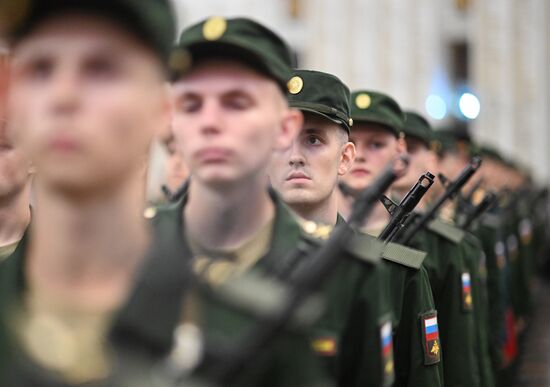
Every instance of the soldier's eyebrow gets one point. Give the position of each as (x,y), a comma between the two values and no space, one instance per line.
(314,130)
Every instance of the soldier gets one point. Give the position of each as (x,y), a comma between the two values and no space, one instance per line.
(229,93)
(87,96)
(176,172)
(377,135)
(15,180)
(454,282)
(354,337)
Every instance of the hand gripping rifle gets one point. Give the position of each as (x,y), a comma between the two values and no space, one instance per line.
(451,190)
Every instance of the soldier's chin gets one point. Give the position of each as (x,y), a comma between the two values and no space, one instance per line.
(75,183)
(358,185)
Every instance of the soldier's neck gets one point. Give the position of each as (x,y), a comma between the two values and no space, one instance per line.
(378,218)
(15,215)
(226,218)
(325,211)
(84,251)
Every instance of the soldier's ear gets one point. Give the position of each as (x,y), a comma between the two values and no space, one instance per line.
(291,124)
(401,145)
(165,111)
(347,158)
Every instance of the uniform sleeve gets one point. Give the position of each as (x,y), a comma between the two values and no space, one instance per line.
(417,364)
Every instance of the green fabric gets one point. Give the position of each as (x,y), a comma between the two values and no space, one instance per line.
(409,294)
(475,259)
(153,20)
(404,255)
(322,94)
(355,312)
(416,126)
(491,237)
(288,360)
(445,265)
(446,230)
(373,107)
(240,39)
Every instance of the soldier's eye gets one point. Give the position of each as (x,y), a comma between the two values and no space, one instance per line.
(38,69)
(238,102)
(313,140)
(189,105)
(377,145)
(102,68)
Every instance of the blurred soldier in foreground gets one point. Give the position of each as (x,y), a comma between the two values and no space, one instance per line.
(14,178)
(231,112)
(87,95)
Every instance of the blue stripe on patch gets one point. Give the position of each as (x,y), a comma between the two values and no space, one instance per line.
(431,329)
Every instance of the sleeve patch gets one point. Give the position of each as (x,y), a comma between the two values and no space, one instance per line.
(467,303)
(430,338)
(386,353)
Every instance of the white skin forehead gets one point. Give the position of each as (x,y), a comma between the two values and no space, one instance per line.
(220,75)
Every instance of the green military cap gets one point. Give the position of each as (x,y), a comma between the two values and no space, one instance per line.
(322,94)
(445,140)
(417,126)
(490,152)
(240,39)
(153,21)
(373,107)
(448,140)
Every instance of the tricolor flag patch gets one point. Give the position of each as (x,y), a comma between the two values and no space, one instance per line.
(430,334)
(386,345)
(467,304)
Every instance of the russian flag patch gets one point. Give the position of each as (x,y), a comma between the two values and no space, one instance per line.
(467,304)
(386,345)
(430,335)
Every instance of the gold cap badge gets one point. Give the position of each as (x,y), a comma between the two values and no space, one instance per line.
(295,85)
(150,213)
(363,101)
(350,122)
(214,28)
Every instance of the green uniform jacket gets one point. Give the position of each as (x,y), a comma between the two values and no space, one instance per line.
(477,264)
(349,336)
(491,236)
(416,345)
(452,283)
(287,361)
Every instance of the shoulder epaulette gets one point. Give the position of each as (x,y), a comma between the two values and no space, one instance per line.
(403,255)
(365,248)
(446,230)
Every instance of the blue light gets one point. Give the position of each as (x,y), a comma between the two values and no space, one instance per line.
(469,105)
(436,107)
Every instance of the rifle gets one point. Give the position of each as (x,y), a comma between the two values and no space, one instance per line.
(488,201)
(465,201)
(451,190)
(225,364)
(401,212)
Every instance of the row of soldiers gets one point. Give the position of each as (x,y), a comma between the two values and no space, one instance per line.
(324,238)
